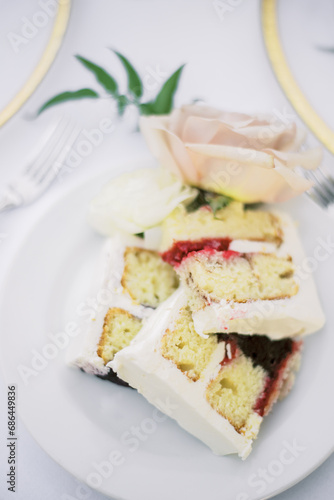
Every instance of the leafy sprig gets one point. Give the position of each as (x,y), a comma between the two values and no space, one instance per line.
(162,104)
(69,96)
(204,198)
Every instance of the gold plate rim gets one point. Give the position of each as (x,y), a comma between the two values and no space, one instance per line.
(43,65)
(285,77)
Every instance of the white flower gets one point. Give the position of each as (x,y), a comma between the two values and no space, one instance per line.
(137,201)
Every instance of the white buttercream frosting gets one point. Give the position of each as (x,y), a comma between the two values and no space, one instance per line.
(107,291)
(244,246)
(143,367)
(300,314)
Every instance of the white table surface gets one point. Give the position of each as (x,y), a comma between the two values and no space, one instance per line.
(227,66)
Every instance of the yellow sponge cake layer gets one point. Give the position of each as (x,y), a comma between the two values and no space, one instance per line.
(146,277)
(231,222)
(235,389)
(119,328)
(219,387)
(238,277)
(250,290)
(129,282)
(190,352)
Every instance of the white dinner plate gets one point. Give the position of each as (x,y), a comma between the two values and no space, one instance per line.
(109,436)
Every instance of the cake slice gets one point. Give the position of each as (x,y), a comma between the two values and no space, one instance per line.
(131,281)
(217,388)
(250,289)
(185,232)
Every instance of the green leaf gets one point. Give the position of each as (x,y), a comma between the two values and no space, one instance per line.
(163,103)
(214,200)
(104,79)
(68,96)
(147,108)
(140,235)
(217,201)
(198,202)
(253,206)
(122,102)
(135,85)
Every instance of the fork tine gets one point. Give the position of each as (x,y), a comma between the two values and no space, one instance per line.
(321,186)
(50,152)
(40,172)
(315,199)
(49,141)
(55,164)
(327,177)
(317,196)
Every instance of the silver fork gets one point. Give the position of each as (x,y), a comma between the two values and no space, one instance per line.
(322,191)
(43,169)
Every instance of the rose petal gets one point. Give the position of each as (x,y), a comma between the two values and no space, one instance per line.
(247,157)
(232,154)
(309,159)
(153,131)
(296,182)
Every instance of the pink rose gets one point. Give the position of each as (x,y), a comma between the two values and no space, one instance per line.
(250,158)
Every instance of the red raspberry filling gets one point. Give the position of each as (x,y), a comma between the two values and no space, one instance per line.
(181,249)
(272,355)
